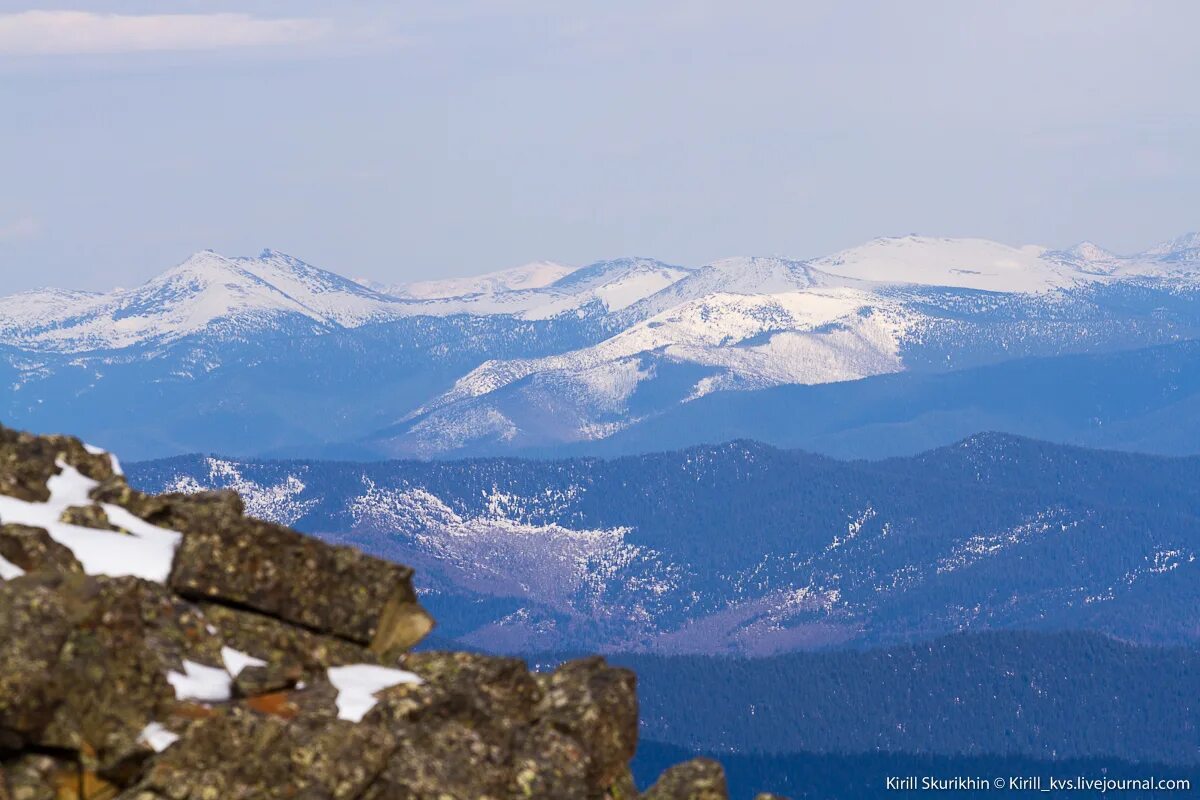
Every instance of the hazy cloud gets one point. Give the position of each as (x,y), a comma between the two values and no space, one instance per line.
(82,32)
(20,228)
(413,140)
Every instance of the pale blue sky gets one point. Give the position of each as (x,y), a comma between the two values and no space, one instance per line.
(423,139)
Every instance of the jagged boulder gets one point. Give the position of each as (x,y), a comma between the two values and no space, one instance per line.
(170,648)
(232,559)
(698,779)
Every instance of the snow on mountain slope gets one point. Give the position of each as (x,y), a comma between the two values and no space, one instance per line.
(583,353)
(606,285)
(567,568)
(964,263)
(742,341)
(536,275)
(735,276)
(1180,249)
(208,290)
(616,284)
(991,266)
(613,285)
(245,294)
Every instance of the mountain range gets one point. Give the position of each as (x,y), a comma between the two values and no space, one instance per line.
(272,356)
(857,502)
(744,549)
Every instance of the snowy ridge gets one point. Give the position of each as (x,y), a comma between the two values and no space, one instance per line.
(545,355)
(964,263)
(606,286)
(205,293)
(209,290)
(536,275)
(744,341)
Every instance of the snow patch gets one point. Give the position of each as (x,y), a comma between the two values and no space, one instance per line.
(357,685)
(157,737)
(96,451)
(201,683)
(235,660)
(9,570)
(140,549)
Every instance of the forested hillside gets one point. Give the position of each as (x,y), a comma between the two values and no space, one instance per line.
(742,548)
(1028,695)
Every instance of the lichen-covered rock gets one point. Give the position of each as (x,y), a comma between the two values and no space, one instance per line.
(38,777)
(27,462)
(231,559)
(105,651)
(511,733)
(242,753)
(277,642)
(32,549)
(698,779)
(472,729)
(597,705)
(89,516)
(34,626)
(263,679)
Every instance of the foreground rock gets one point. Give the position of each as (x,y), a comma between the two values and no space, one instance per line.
(169,648)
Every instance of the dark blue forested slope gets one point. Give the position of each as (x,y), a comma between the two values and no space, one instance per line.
(743,548)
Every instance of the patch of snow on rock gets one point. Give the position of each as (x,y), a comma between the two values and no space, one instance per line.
(235,660)
(201,683)
(140,549)
(157,737)
(357,685)
(9,570)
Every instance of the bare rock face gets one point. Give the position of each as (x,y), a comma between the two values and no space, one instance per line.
(255,662)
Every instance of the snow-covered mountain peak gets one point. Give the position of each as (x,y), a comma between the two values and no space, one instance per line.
(1090,251)
(205,290)
(217,286)
(615,285)
(1087,258)
(759,275)
(603,273)
(746,275)
(304,282)
(964,263)
(1181,248)
(203,266)
(535,275)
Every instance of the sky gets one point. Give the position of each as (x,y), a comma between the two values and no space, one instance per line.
(417,140)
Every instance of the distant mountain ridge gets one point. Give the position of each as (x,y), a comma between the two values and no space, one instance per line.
(535,275)
(745,549)
(553,358)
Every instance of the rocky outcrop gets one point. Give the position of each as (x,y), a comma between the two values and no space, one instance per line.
(170,648)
